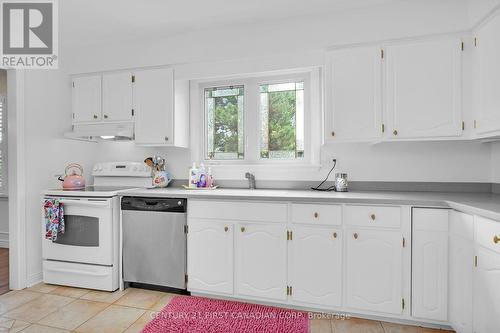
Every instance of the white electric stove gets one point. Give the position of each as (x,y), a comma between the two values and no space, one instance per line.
(87,254)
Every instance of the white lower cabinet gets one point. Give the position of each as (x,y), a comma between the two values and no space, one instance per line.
(261,260)
(374,270)
(315,266)
(210,256)
(487,291)
(461,254)
(430,264)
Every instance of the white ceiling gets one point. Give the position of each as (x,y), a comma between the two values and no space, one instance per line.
(89,22)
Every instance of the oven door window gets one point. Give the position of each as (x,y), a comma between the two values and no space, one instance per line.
(80,231)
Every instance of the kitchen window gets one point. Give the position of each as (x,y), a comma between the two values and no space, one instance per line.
(261,120)
(3,144)
(224,118)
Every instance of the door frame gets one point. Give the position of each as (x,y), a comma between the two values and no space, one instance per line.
(16,179)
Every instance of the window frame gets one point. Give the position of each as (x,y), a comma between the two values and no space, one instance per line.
(3,149)
(251,84)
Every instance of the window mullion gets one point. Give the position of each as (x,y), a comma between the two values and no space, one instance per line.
(252,121)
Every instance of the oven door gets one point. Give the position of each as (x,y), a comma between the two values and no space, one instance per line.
(88,236)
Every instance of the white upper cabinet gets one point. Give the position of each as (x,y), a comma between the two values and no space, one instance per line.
(314,280)
(86,99)
(488,78)
(161,108)
(423,89)
(354,106)
(261,261)
(430,264)
(117,96)
(374,270)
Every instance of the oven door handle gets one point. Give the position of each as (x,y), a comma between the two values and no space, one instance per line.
(76,271)
(85,203)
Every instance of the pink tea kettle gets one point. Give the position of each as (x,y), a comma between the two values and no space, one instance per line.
(73,177)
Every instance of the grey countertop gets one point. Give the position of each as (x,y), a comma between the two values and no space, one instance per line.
(483,204)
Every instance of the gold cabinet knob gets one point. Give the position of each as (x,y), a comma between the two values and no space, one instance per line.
(105,116)
(334,235)
(166,138)
(316,215)
(355,235)
(226,229)
(95,116)
(395,132)
(372,216)
(333,133)
(242,229)
(496,239)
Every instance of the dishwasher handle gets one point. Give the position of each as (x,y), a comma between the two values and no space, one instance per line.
(154,204)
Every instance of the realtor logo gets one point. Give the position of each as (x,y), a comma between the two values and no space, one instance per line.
(29,34)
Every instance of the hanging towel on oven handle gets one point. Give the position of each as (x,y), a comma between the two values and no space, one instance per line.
(53,210)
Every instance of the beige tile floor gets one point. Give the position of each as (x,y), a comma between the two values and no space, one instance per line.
(52,309)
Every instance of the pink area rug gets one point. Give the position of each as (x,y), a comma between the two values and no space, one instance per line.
(204,315)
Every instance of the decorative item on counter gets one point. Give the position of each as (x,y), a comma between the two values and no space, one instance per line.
(161,178)
(73,177)
(341,184)
(200,178)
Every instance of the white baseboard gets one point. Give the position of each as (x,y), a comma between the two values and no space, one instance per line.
(4,239)
(34,279)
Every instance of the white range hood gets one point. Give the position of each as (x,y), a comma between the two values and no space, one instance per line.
(102,131)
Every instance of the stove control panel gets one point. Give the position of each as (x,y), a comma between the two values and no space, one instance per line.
(121,169)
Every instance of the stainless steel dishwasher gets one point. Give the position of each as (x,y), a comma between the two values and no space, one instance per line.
(154,241)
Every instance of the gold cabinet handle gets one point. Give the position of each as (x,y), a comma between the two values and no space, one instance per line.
(395,132)
(226,229)
(372,216)
(166,138)
(316,215)
(242,229)
(334,235)
(333,133)
(496,239)
(95,116)
(355,235)
(105,116)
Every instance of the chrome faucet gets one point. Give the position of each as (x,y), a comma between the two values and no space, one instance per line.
(251,180)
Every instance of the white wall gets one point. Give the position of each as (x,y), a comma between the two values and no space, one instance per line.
(495,162)
(4,203)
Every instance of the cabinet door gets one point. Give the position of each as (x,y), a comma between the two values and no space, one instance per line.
(154,106)
(423,89)
(374,270)
(460,280)
(86,99)
(210,257)
(486,291)
(315,280)
(354,108)
(261,261)
(430,263)
(117,96)
(488,53)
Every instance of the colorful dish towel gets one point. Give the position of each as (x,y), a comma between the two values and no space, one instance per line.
(54,218)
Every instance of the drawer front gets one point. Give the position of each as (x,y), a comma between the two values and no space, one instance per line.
(238,210)
(372,216)
(462,225)
(317,214)
(488,233)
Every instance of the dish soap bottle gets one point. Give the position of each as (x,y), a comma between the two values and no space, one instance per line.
(202,176)
(193,176)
